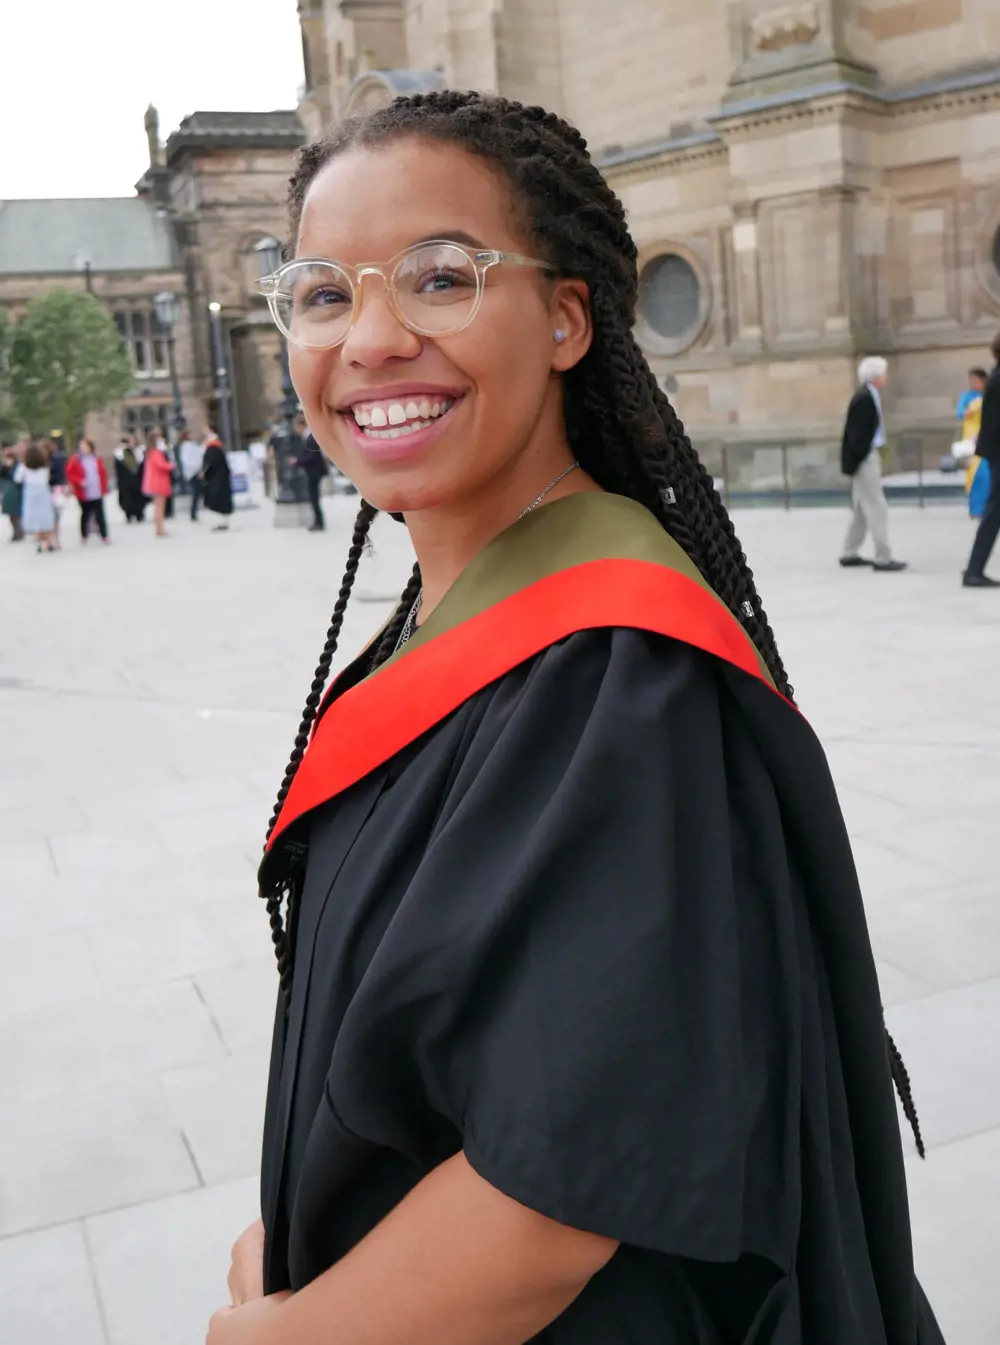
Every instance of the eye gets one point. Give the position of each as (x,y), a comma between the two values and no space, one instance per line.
(440,280)
(322,296)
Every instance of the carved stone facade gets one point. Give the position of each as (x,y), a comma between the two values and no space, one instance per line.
(807,182)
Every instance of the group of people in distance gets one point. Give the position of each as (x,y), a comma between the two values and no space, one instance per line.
(38,479)
(151,472)
(861,460)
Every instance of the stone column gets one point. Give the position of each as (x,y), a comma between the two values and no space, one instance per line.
(747,329)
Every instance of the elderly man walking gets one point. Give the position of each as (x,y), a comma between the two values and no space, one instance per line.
(861,460)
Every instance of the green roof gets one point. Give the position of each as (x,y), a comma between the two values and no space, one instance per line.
(56,237)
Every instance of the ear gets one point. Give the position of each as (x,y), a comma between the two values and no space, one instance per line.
(570,312)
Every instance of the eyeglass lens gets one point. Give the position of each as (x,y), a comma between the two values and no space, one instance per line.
(435,288)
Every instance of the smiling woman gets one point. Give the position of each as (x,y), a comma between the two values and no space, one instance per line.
(578,1037)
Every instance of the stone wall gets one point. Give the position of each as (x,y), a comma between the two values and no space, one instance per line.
(227,201)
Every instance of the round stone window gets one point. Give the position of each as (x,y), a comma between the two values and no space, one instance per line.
(670,297)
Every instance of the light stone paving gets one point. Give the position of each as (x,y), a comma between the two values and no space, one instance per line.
(149,693)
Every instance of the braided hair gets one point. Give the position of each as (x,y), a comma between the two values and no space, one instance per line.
(621,427)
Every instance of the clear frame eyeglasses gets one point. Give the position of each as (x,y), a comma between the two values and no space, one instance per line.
(435,289)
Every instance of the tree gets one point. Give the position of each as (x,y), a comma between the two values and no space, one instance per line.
(8,420)
(67,358)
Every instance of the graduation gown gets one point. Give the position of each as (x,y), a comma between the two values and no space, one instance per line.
(218,494)
(576,898)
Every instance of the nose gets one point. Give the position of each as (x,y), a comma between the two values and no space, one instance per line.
(377,334)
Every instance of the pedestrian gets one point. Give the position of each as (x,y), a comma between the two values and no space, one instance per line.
(217,487)
(861,460)
(988,449)
(579,1035)
(88,477)
(38,515)
(157,481)
(190,454)
(313,462)
(55,452)
(128,478)
(11,493)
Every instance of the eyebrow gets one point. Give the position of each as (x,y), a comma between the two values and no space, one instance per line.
(450,236)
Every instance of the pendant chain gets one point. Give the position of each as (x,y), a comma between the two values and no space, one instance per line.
(411,617)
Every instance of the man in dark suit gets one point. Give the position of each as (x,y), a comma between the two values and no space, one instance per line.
(861,460)
(311,458)
(988,448)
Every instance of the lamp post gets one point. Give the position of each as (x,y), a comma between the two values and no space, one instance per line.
(291,478)
(222,390)
(166,308)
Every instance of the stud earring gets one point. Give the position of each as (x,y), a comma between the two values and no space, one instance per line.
(559,334)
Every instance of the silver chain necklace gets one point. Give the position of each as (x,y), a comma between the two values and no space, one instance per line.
(411,617)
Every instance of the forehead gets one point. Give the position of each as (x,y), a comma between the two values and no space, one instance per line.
(369,204)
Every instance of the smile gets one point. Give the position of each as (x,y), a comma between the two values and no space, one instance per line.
(396,419)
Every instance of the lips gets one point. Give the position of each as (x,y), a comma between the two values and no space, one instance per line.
(411,436)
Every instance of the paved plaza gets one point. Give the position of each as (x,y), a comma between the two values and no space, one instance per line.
(149,693)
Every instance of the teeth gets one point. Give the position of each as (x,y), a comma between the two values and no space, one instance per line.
(397,415)
(398,432)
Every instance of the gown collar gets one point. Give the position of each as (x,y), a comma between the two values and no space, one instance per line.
(584,562)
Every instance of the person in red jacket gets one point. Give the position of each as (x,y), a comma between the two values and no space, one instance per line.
(157,480)
(88,476)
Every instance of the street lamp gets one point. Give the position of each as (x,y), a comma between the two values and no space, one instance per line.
(291,479)
(222,392)
(166,308)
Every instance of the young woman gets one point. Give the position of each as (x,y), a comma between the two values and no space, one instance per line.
(157,480)
(88,476)
(579,1037)
(38,516)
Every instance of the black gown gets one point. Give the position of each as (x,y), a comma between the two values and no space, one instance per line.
(218,492)
(599,928)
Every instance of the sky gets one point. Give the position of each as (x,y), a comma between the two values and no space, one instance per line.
(76,77)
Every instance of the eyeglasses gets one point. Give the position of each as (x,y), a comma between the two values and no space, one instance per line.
(435,289)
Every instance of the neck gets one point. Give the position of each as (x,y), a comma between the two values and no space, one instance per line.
(448,537)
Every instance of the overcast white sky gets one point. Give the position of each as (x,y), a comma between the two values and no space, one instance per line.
(76,77)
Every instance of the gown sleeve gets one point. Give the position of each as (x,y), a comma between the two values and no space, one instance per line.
(579,977)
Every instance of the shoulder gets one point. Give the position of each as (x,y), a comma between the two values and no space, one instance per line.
(629,687)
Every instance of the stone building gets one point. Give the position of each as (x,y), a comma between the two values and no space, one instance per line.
(807,182)
(210,194)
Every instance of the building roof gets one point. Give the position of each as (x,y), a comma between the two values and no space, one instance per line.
(57,237)
(225,130)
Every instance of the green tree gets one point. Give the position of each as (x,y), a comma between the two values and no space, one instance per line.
(67,358)
(8,420)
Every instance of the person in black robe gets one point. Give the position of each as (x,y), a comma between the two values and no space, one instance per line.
(128,478)
(579,1037)
(218,491)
